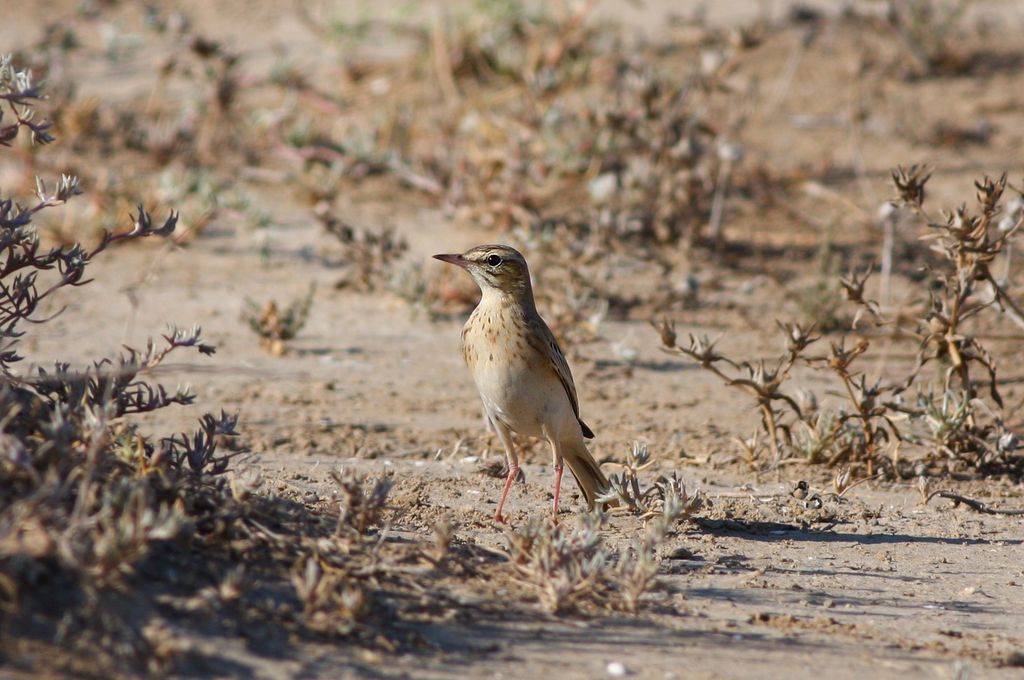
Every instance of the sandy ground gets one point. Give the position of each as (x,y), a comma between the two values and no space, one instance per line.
(756,585)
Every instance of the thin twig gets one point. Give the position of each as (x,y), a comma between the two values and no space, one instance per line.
(973,504)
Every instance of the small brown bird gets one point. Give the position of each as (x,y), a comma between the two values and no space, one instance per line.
(520,372)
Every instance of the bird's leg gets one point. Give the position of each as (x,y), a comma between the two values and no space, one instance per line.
(557,460)
(558,489)
(513,465)
(513,470)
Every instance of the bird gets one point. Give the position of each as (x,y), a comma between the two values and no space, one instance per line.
(521,373)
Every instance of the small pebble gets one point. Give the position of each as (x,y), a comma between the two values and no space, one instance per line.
(617,669)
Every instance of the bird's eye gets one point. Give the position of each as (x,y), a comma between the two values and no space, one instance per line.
(494,260)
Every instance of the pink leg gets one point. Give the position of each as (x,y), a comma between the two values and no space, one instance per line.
(558,490)
(513,463)
(513,470)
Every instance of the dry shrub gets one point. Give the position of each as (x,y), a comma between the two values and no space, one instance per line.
(111,538)
(367,255)
(333,577)
(86,496)
(571,568)
(275,325)
(947,404)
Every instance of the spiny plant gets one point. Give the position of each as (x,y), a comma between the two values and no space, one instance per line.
(647,502)
(334,597)
(366,255)
(86,497)
(964,296)
(19,95)
(276,326)
(946,412)
(763,380)
(572,569)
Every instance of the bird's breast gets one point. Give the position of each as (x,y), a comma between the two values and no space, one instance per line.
(517,385)
(494,339)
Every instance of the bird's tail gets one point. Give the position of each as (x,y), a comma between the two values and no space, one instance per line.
(586,471)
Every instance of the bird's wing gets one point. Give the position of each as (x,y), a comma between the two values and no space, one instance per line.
(545,343)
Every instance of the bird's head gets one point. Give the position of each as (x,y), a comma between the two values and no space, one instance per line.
(495,268)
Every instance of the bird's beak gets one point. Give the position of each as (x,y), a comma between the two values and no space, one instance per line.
(457,260)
